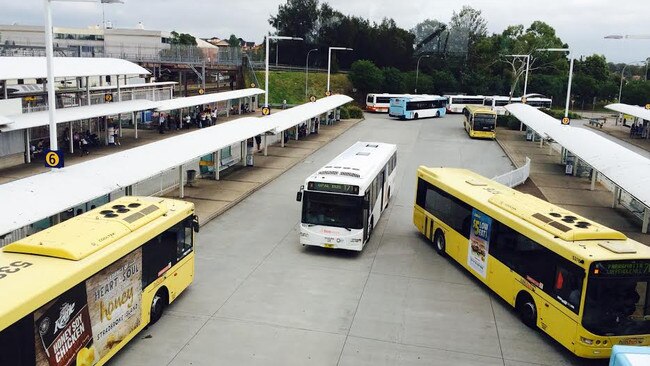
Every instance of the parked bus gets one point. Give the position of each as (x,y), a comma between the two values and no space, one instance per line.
(342,201)
(498,103)
(480,122)
(77,292)
(421,106)
(584,284)
(456,103)
(380,102)
(630,356)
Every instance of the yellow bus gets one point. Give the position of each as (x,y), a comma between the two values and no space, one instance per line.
(480,121)
(580,282)
(76,293)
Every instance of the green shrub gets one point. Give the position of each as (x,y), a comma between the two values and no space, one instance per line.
(559,114)
(508,121)
(355,112)
(345,114)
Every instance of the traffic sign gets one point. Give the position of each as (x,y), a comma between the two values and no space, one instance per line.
(30,98)
(266,111)
(328,93)
(201,91)
(647,106)
(565,121)
(108,98)
(53,158)
(312,98)
(253,85)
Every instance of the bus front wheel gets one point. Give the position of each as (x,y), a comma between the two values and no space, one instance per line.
(439,242)
(158,305)
(527,310)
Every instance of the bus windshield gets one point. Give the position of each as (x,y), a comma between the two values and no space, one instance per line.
(616,303)
(484,122)
(332,210)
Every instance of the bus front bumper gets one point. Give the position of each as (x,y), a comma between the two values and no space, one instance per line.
(312,236)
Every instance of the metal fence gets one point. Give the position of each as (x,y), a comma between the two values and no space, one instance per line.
(515,177)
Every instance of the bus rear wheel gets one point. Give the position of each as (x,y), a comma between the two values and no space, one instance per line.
(527,310)
(158,305)
(437,113)
(415,116)
(440,243)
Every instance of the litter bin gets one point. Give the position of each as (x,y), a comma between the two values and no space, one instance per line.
(191,177)
(249,160)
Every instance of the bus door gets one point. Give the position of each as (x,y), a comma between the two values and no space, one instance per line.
(366,214)
(382,181)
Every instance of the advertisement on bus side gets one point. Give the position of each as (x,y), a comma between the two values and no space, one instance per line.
(86,322)
(479,242)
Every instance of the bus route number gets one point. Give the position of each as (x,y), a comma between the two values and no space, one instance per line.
(13,267)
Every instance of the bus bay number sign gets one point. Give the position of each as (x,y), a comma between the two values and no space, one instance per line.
(333,187)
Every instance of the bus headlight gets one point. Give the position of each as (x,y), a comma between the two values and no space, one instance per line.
(586,341)
(304,235)
(355,240)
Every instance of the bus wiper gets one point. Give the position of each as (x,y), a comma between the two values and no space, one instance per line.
(347,228)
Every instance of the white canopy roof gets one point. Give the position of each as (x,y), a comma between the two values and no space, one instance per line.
(632,110)
(625,168)
(12,68)
(177,103)
(5,121)
(35,119)
(40,196)
(288,118)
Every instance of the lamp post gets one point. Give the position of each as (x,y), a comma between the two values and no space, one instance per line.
(329,62)
(266,76)
(568,92)
(620,88)
(49,57)
(307,69)
(417,69)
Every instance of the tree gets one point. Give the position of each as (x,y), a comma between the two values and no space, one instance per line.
(233,41)
(366,76)
(636,92)
(182,39)
(466,27)
(393,80)
(296,18)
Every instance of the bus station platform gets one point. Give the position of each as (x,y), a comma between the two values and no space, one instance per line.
(548,181)
(211,197)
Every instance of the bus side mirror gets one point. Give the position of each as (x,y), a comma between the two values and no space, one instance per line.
(195,224)
(299,194)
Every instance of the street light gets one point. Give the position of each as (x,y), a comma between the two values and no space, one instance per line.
(307,68)
(417,69)
(103,8)
(329,62)
(49,56)
(266,77)
(620,88)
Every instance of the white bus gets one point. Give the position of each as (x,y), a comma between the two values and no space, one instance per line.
(421,106)
(457,103)
(380,102)
(342,201)
(498,103)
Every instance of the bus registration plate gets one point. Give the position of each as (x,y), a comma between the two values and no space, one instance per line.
(326,245)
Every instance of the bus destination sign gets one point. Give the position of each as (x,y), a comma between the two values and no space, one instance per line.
(333,187)
(621,268)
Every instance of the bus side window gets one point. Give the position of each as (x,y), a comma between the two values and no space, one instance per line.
(17,342)
(184,243)
(567,286)
(159,254)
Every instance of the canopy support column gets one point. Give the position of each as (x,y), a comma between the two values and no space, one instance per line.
(594,177)
(281,138)
(181,184)
(70,138)
(87,90)
(28,148)
(244,151)
(181,118)
(616,194)
(228,108)
(646,219)
(119,99)
(266,146)
(135,123)
(216,157)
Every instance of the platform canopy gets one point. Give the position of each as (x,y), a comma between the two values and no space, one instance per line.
(36,119)
(12,68)
(632,110)
(283,120)
(40,196)
(185,102)
(624,167)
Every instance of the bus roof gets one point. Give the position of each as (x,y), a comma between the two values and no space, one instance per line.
(357,165)
(477,108)
(562,228)
(64,255)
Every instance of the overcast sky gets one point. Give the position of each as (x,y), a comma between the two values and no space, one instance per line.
(580,23)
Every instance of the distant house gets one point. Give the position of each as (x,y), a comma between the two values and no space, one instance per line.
(216,41)
(245,46)
(209,50)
